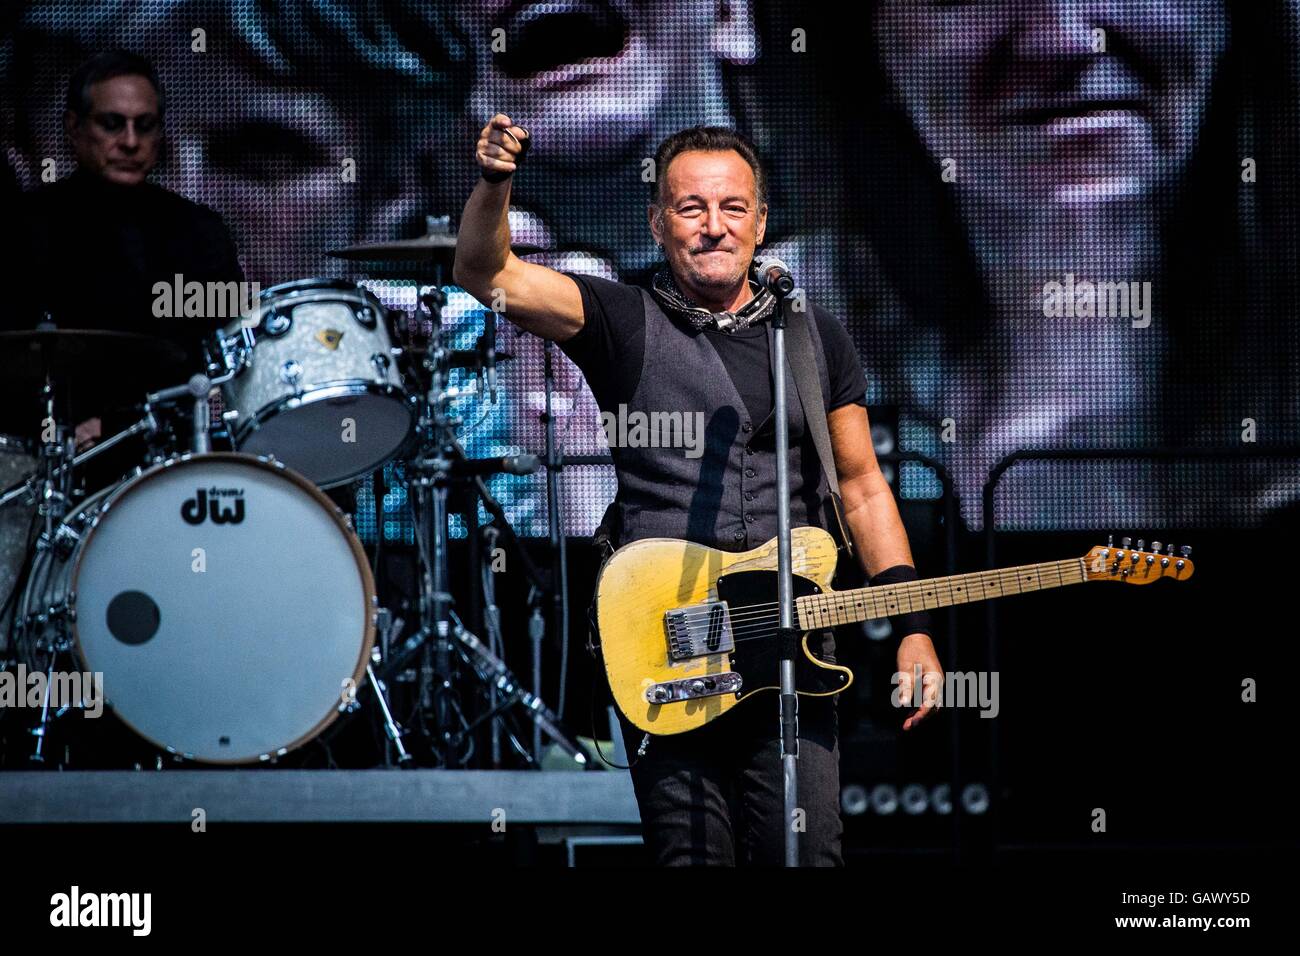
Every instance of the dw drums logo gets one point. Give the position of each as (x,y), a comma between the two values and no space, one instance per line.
(207,503)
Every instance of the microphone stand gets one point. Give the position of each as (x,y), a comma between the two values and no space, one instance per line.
(788,635)
(559,561)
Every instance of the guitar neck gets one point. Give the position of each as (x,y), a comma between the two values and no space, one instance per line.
(865,604)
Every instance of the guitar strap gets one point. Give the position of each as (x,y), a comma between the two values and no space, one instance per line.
(803,367)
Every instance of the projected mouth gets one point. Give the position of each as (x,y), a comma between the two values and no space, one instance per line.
(1107,90)
(547,36)
(1044,113)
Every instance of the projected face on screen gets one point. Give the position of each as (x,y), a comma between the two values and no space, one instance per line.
(593,77)
(599,83)
(1067,101)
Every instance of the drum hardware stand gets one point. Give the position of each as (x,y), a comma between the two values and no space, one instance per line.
(431,483)
(391,727)
(501,679)
(52,495)
(491,614)
(388,628)
(441,632)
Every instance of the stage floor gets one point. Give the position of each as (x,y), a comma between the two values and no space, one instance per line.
(267,795)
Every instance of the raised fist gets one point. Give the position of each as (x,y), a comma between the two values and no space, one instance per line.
(500,149)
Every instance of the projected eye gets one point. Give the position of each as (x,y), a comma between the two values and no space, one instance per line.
(264,151)
(146,123)
(110,122)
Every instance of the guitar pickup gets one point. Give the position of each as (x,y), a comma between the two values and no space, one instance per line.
(693,688)
(698,630)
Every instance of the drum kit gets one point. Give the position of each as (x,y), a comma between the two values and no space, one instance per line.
(224,597)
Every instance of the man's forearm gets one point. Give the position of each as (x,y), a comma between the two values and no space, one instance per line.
(875,524)
(483,243)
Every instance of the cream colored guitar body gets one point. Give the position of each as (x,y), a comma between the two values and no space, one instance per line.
(646,579)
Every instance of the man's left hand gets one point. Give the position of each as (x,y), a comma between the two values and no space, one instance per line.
(916,656)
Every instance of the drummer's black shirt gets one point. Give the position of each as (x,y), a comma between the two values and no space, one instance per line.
(89,253)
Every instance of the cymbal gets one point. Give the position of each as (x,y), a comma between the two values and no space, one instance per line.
(69,351)
(420,249)
(91,359)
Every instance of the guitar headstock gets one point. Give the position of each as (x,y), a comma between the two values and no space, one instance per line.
(1138,565)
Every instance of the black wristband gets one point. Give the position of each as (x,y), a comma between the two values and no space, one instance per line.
(913,622)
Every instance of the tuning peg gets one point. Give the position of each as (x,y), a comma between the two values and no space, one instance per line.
(1156,546)
(1110,541)
(1185,551)
(1141,544)
(1170,551)
(1125,542)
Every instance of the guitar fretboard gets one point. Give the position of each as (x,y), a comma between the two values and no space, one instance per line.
(865,604)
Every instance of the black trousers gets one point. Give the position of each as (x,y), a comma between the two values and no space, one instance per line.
(714,796)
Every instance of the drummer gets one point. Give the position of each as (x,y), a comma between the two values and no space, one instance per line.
(92,246)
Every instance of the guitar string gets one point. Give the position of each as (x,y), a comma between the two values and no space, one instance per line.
(758,624)
(766,627)
(910,590)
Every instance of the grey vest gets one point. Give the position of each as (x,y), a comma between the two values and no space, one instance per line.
(725,497)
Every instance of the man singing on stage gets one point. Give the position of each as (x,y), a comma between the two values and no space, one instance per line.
(698,342)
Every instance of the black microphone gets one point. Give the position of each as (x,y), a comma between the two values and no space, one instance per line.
(508,464)
(774,275)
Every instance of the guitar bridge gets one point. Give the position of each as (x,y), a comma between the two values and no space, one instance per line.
(693,688)
(698,630)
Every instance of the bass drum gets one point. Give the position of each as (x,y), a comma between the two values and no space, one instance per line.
(224,599)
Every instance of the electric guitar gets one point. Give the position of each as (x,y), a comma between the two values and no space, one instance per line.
(689,632)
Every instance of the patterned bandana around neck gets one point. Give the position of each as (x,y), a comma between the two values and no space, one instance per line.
(673,300)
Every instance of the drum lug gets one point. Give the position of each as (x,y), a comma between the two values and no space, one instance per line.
(64,610)
(275,324)
(291,372)
(65,542)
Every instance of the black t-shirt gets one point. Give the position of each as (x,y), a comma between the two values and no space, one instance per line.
(91,252)
(610,349)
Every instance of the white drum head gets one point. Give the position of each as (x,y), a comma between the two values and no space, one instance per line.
(223,640)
